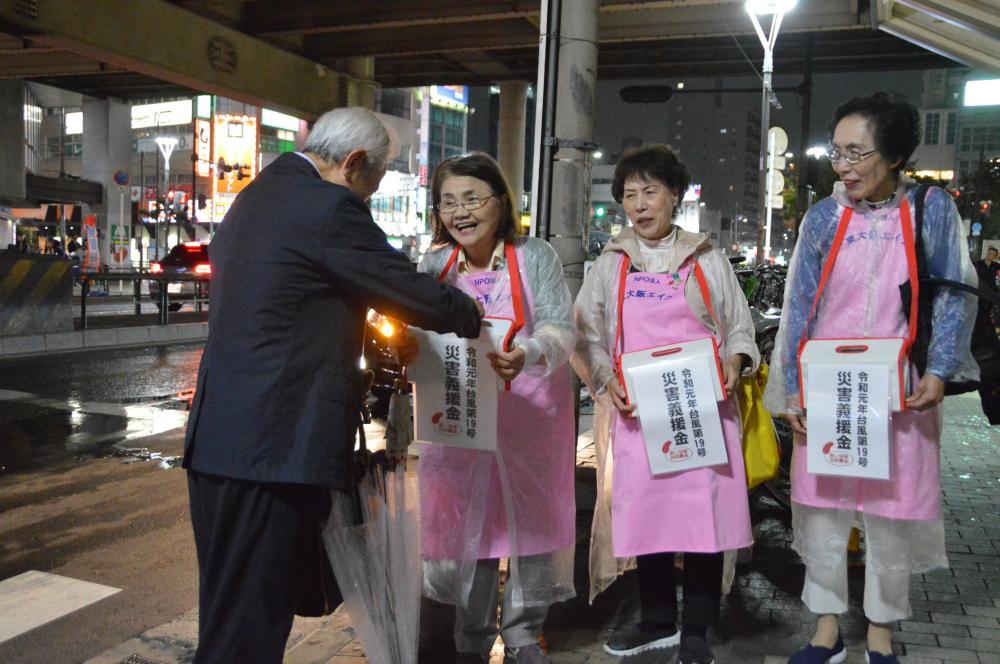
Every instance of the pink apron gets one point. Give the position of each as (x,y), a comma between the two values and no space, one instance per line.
(699,511)
(861,300)
(461,491)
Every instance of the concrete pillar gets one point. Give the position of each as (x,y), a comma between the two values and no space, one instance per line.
(107,147)
(12,142)
(569,208)
(361,88)
(510,151)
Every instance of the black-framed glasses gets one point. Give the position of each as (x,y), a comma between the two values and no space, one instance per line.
(850,156)
(450,207)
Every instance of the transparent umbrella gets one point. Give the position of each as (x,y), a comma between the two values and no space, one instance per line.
(372,539)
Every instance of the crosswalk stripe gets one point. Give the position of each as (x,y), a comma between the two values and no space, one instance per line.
(35,598)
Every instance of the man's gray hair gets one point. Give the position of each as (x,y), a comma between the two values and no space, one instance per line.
(339,132)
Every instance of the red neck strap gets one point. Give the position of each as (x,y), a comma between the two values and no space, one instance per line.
(623,277)
(906,222)
(450,264)
(516,288)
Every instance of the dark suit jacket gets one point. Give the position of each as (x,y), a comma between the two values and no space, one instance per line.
(295,264)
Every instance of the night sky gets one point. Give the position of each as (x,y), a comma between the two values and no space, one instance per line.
(692,123)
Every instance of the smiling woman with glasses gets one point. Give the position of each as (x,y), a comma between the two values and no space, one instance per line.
(519,498)
(857,248)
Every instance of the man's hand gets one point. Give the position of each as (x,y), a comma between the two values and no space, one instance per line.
(929,393)
(732,369)
(617,393)
(507,365)
(404,347)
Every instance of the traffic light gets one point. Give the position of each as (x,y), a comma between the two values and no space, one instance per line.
(242,172)
(221,168)
(600,211)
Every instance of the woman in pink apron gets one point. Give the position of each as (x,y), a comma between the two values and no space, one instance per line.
(865,232)
(657,284)
(517,502)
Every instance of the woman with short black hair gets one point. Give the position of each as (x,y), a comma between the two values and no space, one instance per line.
(864,231)
(658,284)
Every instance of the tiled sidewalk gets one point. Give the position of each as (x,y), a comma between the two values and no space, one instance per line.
(956,612)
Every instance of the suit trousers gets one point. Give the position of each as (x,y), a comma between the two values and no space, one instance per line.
(702,585)
(251,539)
(476,624)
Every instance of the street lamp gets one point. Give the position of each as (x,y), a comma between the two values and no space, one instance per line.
(776,9)
(816,152)
(166,145)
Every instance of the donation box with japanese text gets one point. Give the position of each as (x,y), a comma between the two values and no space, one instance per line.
(455,390)
(848,420)
(676,390)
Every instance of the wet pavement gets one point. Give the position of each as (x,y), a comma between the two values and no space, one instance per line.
(116,376)
(91,404)
(89,488)
(956,611)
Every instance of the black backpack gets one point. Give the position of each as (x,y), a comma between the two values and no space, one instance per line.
(985,345)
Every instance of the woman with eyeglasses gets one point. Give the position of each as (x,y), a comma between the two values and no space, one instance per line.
(654,285)
(517,502)
(855,251)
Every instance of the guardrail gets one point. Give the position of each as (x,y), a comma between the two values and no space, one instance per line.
(86,279)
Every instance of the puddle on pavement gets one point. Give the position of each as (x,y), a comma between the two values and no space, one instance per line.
(35,431)
(136,454)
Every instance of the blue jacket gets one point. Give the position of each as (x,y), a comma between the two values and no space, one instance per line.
(949,356)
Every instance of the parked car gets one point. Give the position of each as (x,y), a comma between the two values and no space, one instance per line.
(189,261)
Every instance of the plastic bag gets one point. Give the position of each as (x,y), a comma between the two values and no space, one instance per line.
(761,455)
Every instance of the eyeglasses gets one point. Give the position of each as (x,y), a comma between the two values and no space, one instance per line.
(470,204)
(851,156)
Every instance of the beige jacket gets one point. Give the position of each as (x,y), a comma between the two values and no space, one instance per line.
(597,319)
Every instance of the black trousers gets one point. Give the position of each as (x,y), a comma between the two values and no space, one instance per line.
(252,540)
(702,584)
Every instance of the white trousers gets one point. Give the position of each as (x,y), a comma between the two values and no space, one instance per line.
(887,596)
(894,550)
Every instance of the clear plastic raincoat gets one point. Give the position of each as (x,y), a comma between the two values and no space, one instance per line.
(597,320)
(518,501)
(901,516)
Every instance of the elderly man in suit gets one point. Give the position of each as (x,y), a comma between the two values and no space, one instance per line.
(296,263)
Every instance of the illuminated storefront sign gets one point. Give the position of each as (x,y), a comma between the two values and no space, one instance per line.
(74,123)
(204,106)
(693,193)
(982,93)
(270,118)
(163,114)
(203,147)
(235,150)
(451,96)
